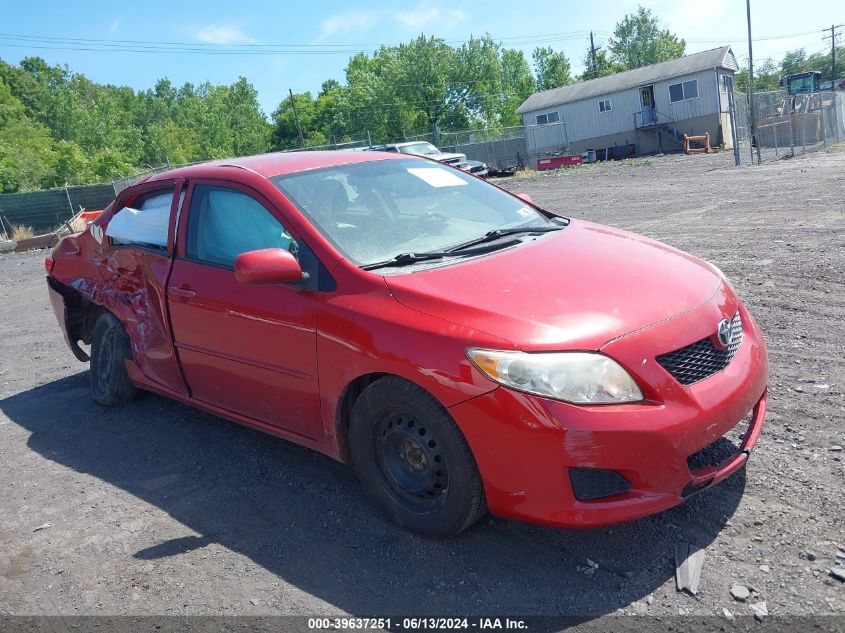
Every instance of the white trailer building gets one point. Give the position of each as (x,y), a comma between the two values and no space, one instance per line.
(649,107)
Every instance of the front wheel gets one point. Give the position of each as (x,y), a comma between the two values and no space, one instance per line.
(413,460)
(110,384)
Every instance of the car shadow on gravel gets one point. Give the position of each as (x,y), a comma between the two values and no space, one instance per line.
(304,518)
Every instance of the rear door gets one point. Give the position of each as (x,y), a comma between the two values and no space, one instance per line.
(135,277)
(248,349)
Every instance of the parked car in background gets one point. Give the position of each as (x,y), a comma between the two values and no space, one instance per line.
(477,168)
(462,348)
(423,148)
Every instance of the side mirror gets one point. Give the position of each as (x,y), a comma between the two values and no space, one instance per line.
(525,197)
(267,266)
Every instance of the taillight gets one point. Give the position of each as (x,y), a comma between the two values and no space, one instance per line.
(49,262)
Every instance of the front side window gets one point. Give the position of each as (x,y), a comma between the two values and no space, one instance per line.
(223,223)
(145,222)
(375,210)
(683,91)
(604,105)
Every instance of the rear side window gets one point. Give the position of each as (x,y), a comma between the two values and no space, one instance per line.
(145,222)
(223,223)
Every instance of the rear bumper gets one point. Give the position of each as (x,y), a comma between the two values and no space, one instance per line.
(525,445)
(59,295)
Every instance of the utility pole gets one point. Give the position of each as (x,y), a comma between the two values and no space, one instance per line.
(593,57)
(296,118)
(832,36)
(751,87)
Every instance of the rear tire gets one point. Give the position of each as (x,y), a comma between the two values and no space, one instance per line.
(110,384)
(413,460)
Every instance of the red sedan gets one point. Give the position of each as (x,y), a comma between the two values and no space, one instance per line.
(462,348)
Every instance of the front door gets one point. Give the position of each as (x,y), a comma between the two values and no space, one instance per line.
(647,101)
(249,349)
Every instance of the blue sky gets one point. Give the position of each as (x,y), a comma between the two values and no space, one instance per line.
(328,32)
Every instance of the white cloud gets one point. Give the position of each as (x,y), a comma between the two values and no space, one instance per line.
(223,34)
(115,24)
(426,14)
(347,22)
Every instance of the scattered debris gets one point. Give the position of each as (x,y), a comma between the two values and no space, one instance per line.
(43,526)
(689,561)
(639,608)
(838,573)
(759,610)
(740,592)
(589,569)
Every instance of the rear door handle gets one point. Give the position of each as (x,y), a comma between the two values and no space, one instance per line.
(182,293)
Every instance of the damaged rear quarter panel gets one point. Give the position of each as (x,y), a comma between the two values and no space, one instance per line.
(129,281)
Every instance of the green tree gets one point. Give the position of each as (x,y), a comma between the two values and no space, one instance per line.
(603,66)
(552,68)
(517,85)
(25,147)
(794,62)
(285,132)
(639,41)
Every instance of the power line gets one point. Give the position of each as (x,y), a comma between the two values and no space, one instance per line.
(49,42)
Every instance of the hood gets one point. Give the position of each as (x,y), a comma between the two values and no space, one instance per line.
(446,157)
(576,288)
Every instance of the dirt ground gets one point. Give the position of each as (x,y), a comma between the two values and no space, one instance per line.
(155,508)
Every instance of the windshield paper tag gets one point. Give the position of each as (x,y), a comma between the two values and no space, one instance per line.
(436,177)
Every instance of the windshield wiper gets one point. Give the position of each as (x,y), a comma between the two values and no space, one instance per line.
(495,234)
(404,259)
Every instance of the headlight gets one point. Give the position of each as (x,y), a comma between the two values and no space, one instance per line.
(577,377)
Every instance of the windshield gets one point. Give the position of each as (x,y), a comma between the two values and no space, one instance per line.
(420,149)
(800,84)
(376,210)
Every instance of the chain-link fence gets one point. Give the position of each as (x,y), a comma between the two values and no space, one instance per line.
(356,144)
(788,125)
(43,211)
(499,147)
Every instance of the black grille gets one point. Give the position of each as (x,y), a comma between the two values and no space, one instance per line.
(595,483)
(696,362)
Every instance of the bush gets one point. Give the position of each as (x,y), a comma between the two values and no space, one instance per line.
(21,232)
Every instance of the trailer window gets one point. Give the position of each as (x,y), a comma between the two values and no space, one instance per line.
(551,117)
(683,91)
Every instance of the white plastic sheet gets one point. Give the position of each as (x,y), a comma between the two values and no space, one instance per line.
(147,225)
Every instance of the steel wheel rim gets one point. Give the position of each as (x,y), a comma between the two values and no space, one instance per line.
(412,462)
(104,359)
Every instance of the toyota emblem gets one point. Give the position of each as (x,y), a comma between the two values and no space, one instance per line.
(724,332)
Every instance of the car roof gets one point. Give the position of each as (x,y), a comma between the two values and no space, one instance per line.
(276,163)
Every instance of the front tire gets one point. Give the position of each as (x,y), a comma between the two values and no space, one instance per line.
(413,460)
(110,384)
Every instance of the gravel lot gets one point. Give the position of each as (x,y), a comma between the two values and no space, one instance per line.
(155,508)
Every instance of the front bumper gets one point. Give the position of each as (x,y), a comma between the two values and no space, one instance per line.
(525,445)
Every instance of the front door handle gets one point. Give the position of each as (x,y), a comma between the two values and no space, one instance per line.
(182,293)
